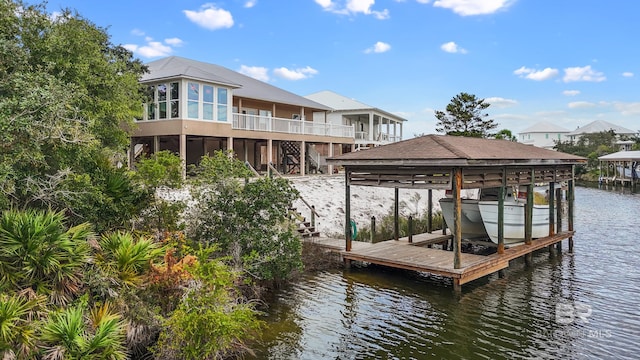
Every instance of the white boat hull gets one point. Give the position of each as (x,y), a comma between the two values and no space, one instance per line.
(513,221)
(471,222)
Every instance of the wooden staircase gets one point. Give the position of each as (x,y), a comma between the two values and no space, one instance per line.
(305,228)
(291,158)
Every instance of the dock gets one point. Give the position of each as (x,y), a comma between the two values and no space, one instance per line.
(416,256)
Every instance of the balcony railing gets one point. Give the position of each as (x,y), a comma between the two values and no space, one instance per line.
(288,126)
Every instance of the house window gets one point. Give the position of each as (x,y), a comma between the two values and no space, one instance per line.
(151,102)
(192,100)
(207,102)
(175,100)
(558,136)
(162,101)
(223,105)
(546,136)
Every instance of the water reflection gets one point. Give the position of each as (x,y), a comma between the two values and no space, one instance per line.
(581,305)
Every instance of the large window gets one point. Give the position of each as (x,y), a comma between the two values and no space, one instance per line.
(175,100)
(207,102)
(193,99)
(222,104)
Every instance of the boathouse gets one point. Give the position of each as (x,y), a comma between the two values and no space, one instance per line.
(620,168)
(455,163)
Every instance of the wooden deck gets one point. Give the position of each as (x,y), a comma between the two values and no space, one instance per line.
(414,256)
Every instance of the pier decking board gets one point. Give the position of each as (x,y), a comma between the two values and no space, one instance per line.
(411,256)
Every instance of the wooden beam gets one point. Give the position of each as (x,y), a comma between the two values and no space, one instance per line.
(552,215)
(430,212)
(457,219)
(347,212)
(501,195)
(570,200)
(396,215)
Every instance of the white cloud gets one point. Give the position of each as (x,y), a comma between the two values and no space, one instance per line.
(256,72)
(174,41)
(628,108)
(536,75)
(583,74)
(137,32)
(423,1)
(473,7)
(250,3)
(452,47)
(353,7)
(500,102)
(295,74)
(571,92)
(210,17)
(581,105)
(378,47)
(150,50)
(627,74)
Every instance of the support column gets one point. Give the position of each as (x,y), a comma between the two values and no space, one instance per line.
(156,144)
(132,153)
(269,151)
(457,219)
(501,194)
(230,146)
(430,212)
(396,215)
(552,211)
(371,127)
(570,200)
(246,150)
(528,223)
(183,154)
(347,210)
(330,167)
(559,216)
(303,158)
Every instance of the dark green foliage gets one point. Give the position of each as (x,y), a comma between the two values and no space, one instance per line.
(210,322)
(248,222)
(505,134)
(464,117)
(37,251)
(590,146)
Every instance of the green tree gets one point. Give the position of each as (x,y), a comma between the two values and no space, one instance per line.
(67,96)
(247,222)
(464,116)
(505,134)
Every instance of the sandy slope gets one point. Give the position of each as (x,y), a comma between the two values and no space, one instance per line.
(327,194)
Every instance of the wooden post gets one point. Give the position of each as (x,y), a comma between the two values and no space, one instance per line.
(313,216)
(457,287)
(501,194)
(410,229)
(347,212)
(552,214)
(372,234)
(457,222)
(430,212)
(559,216)
(570,200)
(528,211)
(396,216)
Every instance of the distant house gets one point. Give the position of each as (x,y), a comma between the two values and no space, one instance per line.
(373,126)
(195,108)
(599,126)
(543,135)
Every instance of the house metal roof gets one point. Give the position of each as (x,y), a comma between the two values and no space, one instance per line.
(600,126)
(622,156)
(342,103)
(442,150)
(244,86)
(544,127)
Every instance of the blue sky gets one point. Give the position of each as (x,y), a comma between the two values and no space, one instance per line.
(568,62)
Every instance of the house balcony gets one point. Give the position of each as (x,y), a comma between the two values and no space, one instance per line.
(362,137)
(289,126)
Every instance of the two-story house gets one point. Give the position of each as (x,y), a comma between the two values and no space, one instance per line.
(543,134)
(194,108)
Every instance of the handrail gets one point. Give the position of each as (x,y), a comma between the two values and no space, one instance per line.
(312,208)
(253,170)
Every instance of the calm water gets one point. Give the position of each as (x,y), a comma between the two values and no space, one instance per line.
(584,305)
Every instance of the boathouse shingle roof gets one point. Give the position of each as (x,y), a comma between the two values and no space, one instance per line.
(431,150)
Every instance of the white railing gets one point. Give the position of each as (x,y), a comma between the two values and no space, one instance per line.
(362,135)
(288,126)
